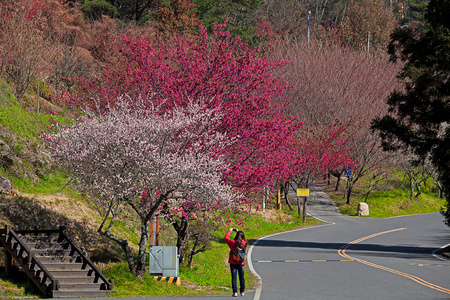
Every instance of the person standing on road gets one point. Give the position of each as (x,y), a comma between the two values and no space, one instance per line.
(237,259)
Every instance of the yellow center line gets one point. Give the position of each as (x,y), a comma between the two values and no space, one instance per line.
(412,277)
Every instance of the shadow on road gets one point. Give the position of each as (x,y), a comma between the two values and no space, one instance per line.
(405,251)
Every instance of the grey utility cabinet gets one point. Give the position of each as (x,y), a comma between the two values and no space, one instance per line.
(163,261)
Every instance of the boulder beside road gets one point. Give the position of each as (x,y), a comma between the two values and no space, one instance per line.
(363,209)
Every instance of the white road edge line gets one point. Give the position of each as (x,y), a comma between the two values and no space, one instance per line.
(404,216)
(249,260)
(439,256)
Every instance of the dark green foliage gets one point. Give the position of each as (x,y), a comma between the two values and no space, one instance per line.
(419,115)
(414,13)
(94,9)
(241,14)
(136,10)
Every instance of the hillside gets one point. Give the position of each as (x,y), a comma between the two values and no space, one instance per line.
(40,195)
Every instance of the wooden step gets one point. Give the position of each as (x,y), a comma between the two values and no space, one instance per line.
(61,266)
(58,259)
(80,286)
(50,252)
(67,270)
(47,245)
(77,280)
(39,238)
(70,273)
(77,294)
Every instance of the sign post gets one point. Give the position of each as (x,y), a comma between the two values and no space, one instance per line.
(279,199)
(301,192)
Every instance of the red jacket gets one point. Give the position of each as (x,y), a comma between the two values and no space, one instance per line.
(231,243)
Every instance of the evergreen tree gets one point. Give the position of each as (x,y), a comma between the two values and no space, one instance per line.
(137,10)
(241,15)
(419,115)
(414,13)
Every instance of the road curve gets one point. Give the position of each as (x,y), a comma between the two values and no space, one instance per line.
(354,258)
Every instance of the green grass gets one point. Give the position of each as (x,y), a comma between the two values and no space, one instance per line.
(210,271)
(15,289)
(26,124)
(24,129)
(51,183)
(390,200)
(393,203)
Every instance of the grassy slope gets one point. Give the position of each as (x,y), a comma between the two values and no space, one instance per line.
(389,199)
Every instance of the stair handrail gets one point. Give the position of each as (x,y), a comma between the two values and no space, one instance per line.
(10,233)
(86,260)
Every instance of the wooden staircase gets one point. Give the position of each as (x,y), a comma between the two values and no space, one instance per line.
(53,263)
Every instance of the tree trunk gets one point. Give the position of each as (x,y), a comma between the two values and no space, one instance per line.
(124,245)
(195,251)
(304,209)
(338,181)
(285,189)
(338,178)
(182,231)
(140,270)
(349,191)
(412,189)
(129,256)
(419,191)
(441,191)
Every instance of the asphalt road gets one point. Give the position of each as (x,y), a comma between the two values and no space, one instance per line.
(355,258)
(351,258)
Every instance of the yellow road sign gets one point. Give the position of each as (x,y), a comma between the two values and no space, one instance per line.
(302,192)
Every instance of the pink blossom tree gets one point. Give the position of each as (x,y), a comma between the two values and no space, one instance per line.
(334,86)
(135,146)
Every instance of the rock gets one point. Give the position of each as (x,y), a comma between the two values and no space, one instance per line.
(363,209)
(6,186)
(5,155)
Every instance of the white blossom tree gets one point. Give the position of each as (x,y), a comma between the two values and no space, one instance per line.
(172,156)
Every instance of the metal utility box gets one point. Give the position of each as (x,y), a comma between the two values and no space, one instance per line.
(163,261)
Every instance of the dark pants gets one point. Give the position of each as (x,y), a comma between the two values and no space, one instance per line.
(234,270)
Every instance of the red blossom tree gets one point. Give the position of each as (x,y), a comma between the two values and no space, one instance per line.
(240,86)
(239,82)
